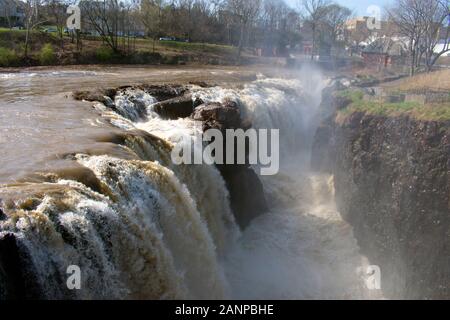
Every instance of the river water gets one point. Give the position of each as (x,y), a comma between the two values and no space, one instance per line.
(82,185)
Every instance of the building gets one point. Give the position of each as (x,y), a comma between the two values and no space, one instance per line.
(11,13)
(385,51)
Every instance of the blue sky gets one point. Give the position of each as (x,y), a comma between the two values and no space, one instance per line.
(358,6)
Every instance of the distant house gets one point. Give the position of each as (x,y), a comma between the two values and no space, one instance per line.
(307,47)
(362,31)
(11,13)
(385,51)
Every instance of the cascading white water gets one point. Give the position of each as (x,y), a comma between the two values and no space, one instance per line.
(160,231)
(301,249)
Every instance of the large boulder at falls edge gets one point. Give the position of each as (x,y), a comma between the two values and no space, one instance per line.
(246,191)
(104,96)
(163,91)
(178,107)
(218,115)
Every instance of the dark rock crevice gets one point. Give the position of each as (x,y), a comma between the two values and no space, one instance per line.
(16,275)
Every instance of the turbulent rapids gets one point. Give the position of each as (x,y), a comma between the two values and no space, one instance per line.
(141,227)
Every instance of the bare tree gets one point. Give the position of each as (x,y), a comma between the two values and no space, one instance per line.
(56,12)
(186,21)
(32,19)
(104,17)
(316,11)
(436,30)
(245,12)
(128,24)
(335,19)
(151,15)
(423,22)
(407,15)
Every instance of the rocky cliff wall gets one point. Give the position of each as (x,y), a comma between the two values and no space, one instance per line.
(392,179)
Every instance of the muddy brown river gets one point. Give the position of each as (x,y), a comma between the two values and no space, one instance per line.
(40,121)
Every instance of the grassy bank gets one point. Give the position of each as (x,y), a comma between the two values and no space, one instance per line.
(425,96)
(48,49)
(422,83)
(375,105)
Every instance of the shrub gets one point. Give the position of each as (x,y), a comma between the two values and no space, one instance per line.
(8,57)
(171,60)
(143,57)
(104,54)
(47,55)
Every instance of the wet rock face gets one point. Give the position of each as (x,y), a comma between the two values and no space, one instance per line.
(164,91)
(179,107)
(104,96)
(16,278)
(246,191)
(218,116)
(392,180)
(2,213)
(322,155)
(323,146)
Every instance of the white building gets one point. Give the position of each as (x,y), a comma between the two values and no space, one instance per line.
(11,10)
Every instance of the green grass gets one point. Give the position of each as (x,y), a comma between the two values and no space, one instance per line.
(354,95)
(3,30)
(433,111)
(193,46)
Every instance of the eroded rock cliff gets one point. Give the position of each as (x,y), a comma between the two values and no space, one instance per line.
(392,181)
(392,178)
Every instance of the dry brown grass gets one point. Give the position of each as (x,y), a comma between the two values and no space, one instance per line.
(433,81)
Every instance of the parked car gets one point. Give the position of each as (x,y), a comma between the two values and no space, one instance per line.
(50,29)
(167,39)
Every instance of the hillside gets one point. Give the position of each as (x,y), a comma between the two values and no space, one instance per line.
(48,49)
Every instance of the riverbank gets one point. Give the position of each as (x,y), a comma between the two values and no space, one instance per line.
(47,49)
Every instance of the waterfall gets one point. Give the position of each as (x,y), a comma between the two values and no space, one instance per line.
(148,229)
(301,249)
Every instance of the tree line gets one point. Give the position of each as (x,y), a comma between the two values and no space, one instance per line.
(426,26)
(271,25)
(240,23)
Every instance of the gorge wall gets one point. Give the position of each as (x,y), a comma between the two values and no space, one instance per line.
(392,181)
